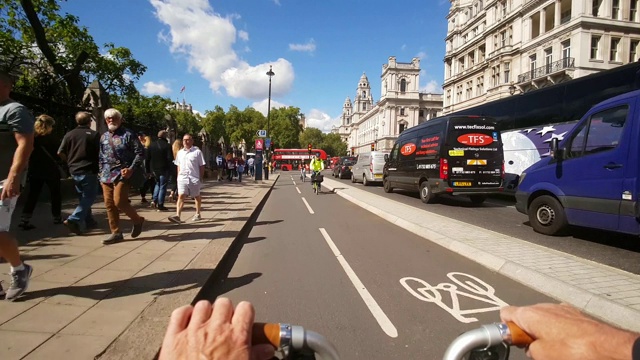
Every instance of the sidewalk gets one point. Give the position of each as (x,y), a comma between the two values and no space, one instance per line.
(602,291)
(87,300)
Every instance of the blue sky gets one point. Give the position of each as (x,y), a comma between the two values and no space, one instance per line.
(220,50)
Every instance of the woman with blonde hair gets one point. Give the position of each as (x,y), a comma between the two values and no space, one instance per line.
(149,181)
(173,177)
(44,165)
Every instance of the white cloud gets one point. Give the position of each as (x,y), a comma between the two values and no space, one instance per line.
(421,55)
(153,88)
(262,105)
(432,87)
(206,40)
(310,46)
(243,35)
(403,47)
(321,120)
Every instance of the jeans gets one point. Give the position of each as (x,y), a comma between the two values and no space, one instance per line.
(87,187)
(240,176)
(160,190)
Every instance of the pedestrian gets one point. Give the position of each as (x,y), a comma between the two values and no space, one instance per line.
(175,148)
(250,163)
(16,137)
(43,169)
(220,165)
(158,163)
(241,168)
(148,181)
(80,148)
(121,153)
(190,162)
(231,167)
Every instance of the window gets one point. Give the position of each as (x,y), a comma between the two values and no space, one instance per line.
(480,86)
(566,50)
(449,97)
(401,111)
(401,128)
(421,113)
(532,65)
(403,85)
(633,50)
(503,38)
(613,54)
(364,106)
(615,9)
(548,59)
(595,7)
(602,132)
(471,58)
(633,10)
(506,73)
(595,47)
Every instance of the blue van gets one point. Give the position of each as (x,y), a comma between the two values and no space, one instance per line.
(591,177)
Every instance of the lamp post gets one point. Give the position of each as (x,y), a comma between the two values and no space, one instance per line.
(270,73)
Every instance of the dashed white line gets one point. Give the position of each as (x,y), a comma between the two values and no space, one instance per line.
(308,207)
(384,322)
(299,192)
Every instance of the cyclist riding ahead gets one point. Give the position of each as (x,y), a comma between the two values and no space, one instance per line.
(316,165)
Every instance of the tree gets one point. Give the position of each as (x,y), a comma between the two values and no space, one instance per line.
(285,127)
(312,136)
(333,145)
(145,112)
(214,124)
(64,53)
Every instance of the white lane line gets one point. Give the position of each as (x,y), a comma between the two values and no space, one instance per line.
(308,207)
(371,303)
(299,192)
(293,181)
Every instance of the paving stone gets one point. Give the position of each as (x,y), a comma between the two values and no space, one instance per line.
(66,347)
(47,318)
(14,345)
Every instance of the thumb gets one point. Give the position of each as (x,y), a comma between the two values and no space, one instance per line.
(262,352)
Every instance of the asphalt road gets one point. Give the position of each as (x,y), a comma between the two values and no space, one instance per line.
(499,214)
(324,263)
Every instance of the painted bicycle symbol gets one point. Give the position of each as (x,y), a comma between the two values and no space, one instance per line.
(475,289)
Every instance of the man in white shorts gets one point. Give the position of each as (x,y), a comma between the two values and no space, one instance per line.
(16,140)
(190,162)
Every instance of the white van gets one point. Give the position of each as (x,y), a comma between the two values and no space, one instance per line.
(369,167)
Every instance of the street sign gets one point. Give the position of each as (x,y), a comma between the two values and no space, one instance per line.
(267,143)
(261,133)
(259,144)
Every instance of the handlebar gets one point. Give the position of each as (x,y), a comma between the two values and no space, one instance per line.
(487,336)
(293,338)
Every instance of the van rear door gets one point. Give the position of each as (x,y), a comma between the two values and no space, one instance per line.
(474,153)
(592,171)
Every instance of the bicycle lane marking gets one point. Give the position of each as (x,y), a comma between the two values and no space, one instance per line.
(377,312)
(307,204)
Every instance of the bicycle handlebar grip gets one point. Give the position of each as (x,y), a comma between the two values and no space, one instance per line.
(266,333)
(518,336)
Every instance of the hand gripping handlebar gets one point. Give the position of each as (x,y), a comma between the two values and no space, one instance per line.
(294,337)
(487,336)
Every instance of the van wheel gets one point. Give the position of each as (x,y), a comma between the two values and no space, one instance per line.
(426,195)
(477,199)
(340,175)
(386,185)
(547,216)
(353,178)
(365,182)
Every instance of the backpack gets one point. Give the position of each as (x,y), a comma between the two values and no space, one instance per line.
(219,160)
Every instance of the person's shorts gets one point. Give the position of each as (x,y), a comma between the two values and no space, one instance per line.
(188,186)
(6,210)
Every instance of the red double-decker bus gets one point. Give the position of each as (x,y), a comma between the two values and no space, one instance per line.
(290,159)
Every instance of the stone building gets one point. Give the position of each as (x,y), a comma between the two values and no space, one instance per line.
(500,48)
(401,106)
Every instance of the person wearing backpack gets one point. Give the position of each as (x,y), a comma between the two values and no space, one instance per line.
(220,166)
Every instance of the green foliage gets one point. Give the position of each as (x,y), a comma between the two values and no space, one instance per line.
(312,136)
(285,127)
(334,146)
(145,112)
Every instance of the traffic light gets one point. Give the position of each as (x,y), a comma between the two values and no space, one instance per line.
(373,147)
(309,147)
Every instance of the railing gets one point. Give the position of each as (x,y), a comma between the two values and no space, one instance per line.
(566,63)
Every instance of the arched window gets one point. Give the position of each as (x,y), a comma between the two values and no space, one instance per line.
(403,85)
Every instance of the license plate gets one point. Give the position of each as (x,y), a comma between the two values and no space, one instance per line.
(377,176)
(461,183)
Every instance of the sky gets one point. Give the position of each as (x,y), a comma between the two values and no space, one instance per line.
(221,50)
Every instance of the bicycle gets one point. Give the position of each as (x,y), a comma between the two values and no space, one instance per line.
(491,341)
(303,174)
(316,179)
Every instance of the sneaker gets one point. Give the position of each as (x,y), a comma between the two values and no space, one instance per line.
(57,220)
(19,282)
(162,208)
(153,205)
(137,229)
(26,225)
(175,219)
(2,293)
(73,226)
(144,201)
(114,238)
(196,217)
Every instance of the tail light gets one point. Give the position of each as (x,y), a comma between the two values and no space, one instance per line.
(444,169)
(502,170)
(371,166)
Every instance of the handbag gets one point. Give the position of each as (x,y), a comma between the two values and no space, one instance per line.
(64,174)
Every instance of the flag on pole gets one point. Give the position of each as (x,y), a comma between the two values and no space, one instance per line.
(182,90)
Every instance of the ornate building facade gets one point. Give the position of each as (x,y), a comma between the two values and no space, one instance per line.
(500,48)
(400,107)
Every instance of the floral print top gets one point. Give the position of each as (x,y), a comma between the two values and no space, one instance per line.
(118,150)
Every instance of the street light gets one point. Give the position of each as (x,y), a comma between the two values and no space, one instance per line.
(513,89)
(270,73)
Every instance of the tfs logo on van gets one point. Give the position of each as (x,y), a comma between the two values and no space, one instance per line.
(475,139)
(408,149)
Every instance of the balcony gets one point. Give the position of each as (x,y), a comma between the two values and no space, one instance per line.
(547,70)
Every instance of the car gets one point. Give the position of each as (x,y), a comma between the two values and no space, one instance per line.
(369,168)
(343,169)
